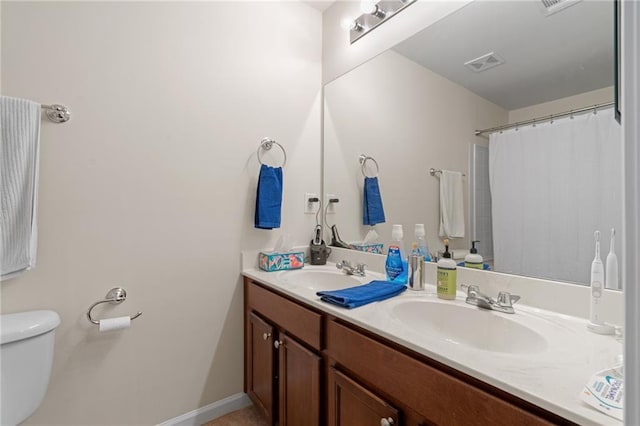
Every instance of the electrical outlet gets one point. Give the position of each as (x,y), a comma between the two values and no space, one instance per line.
(310,207)
(331,207)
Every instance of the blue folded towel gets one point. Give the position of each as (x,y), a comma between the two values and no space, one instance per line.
(372,210)
(363,294)
(269,198)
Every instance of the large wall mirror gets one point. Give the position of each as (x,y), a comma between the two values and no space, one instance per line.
(532,195)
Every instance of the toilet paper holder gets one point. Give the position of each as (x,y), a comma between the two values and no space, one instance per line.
(115,296)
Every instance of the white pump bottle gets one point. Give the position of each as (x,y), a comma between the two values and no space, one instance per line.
(596,323)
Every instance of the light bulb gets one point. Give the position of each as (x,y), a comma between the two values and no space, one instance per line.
(371,8)
(368,6)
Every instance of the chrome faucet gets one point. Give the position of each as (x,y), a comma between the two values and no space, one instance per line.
(504,302)
(349,269)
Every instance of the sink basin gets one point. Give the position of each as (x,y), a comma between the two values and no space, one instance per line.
(459,323)
(320,279)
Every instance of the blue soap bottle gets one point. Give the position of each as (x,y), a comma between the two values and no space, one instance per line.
(396,265)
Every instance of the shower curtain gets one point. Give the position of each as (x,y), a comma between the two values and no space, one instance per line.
(552,186)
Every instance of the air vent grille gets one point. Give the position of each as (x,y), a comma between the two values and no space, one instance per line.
(484,62)
(553,6)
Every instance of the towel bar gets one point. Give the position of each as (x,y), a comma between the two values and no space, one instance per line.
(114,296)
(267,144)
(57,113)
(433,172)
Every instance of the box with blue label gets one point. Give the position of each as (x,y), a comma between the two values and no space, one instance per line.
(280,261)
(369,248)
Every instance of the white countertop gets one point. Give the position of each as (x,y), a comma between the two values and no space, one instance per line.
(552,378)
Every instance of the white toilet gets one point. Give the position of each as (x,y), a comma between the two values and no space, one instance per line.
(26,353)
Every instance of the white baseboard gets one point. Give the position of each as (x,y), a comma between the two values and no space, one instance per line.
(209,412)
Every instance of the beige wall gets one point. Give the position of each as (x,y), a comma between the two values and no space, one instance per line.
(409,119)
(151,187)
(339,56)
(561,105)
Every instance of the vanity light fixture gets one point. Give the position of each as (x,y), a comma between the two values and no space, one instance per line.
(374,14)
(351,25)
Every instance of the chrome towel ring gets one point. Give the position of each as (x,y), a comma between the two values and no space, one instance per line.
(363,161)
(266,144)
(115,296)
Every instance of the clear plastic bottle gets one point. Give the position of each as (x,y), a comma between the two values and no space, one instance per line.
(421,241)
(396,265)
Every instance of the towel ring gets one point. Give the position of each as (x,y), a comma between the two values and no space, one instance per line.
(115,296)
(267,144)
(363,161)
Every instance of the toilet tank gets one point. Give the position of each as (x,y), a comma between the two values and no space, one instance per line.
(26,354)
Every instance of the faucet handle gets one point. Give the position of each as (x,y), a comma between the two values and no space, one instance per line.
(472,290)
(507,299)
(360,267)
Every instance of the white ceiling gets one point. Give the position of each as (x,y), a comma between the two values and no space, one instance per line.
(320,5)
(546,57)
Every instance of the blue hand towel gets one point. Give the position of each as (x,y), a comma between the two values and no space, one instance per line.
(373,212)
(363,294)
(269,198)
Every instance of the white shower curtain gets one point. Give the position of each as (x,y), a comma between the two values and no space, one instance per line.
(552,186)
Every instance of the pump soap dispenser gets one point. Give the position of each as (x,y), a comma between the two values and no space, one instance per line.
(596,323)
(446,275)
(473,259)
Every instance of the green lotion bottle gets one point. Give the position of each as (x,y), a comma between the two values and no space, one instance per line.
(446,282)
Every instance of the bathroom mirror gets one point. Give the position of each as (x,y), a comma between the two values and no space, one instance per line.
(417,105)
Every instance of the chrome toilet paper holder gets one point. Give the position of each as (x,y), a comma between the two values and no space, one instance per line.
(115,296)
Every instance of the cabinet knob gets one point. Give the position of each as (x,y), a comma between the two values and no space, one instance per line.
(278,343)
(386,422)
(265,336)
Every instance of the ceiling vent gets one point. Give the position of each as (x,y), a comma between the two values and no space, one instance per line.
(484,62)
(552,6)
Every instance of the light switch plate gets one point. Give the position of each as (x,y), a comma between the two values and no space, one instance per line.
(310,207)
(331,207)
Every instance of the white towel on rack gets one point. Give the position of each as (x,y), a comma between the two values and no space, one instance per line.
(20,127)
(451,205)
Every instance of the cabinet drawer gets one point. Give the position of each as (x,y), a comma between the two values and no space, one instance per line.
(441,398)
(299,321)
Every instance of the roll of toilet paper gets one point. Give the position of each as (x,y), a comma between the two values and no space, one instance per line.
(115,323)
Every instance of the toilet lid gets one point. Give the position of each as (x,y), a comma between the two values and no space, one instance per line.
(23,325)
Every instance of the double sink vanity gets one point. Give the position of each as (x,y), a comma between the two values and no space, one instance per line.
(413,359)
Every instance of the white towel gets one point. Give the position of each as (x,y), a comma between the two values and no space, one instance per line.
(20,127)
(451,205)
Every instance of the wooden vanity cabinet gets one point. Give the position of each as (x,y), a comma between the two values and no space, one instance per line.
(305,368)
(259,364)
(283,364)
(350,403)
(422,394)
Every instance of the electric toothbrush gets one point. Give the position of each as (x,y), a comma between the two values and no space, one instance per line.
(612,264)
(596,324)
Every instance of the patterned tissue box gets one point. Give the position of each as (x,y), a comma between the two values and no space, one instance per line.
(369,248)
(280,261)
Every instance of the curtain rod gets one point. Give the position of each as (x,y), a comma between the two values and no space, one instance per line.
(545,118)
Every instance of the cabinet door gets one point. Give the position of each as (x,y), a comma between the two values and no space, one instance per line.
(260,365)
(299,382)
(350,404)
